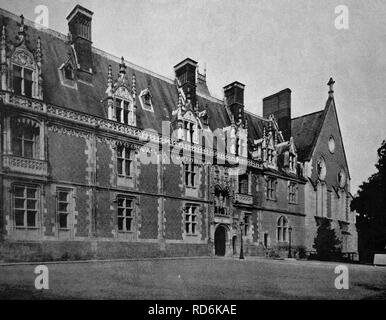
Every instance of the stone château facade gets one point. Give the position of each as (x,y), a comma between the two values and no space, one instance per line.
(101,158)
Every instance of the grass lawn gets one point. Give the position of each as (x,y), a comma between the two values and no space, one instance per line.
(208,278)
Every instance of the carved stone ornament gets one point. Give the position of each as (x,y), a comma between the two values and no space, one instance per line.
(123,92)
(23,58)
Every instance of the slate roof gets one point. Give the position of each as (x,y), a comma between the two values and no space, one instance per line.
(305,131)
(89,98)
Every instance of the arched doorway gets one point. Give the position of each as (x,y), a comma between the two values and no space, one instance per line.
(219,241)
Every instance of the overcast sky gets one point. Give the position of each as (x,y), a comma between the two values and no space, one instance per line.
(267,45)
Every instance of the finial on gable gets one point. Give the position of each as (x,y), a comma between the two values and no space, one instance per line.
(122,67)
(21,32)
(331,83)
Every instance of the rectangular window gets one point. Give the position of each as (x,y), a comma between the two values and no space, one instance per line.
(292,164)
(188,131)
(190,174)
(123,113)
(124,161)
(17,80)
(247,221)
(26,203)
(125,214)
(292,190)
(244,184)
(24,140)
(270,156)
(118,110)
(22,81)
(63,197)
(191,219)
(28,83)
(271,189)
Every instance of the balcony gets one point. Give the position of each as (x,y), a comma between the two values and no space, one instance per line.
(243,199)
(25,165)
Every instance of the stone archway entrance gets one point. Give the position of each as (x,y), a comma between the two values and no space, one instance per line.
(220,241)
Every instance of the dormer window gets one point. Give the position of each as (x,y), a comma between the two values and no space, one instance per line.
(188,131)
(123,111)
(292,162)
(270,156)
(68,72)
(22,81)
(146,100)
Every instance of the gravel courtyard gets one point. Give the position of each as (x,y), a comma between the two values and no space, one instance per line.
(193,278)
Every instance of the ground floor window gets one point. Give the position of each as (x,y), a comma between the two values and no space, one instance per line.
(125,214)
(64,209)
(247,223)
(26,206)
(191,212)
(282,229)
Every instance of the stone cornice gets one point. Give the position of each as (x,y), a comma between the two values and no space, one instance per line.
(105,125)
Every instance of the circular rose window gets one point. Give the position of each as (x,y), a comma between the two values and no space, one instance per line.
(342,178)
(331,144)
(321,168)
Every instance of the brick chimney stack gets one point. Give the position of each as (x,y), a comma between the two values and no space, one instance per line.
(279,105)
(234,95)
(79,25)
(186,76)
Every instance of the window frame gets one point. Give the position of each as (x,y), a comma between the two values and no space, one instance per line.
(124,108)
(18,136)
(282,229)
(124,216)
(292,192)
(271,189)
(69,211)
(244,184)
(25,208)
(191,219)
(126,156)
(190,175)
(23,80)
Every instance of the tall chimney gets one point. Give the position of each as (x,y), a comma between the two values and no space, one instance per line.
(79,25)
(186,75)
(279,105)
(234,95)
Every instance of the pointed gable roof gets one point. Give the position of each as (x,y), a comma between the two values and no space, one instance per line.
(306,129)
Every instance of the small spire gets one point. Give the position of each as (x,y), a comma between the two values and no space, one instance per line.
(134,85)
(39,49)
(22,28)
(179,105)
(3,34)
(331,85)
(110,76)
(122,67)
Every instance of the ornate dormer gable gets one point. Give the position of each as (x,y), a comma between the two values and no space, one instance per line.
(187,119)
(292,157)
(236,138)
(121,96)
(287,156)
(21,67)
(269,146)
